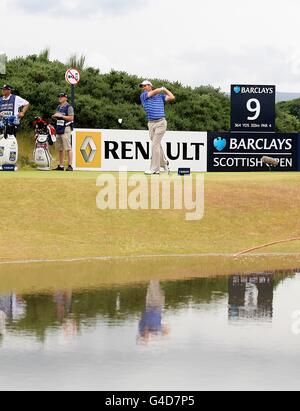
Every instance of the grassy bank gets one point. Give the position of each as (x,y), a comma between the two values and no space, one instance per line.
(46,215)
(45,277)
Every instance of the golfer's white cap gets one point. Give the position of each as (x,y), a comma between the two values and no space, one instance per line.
(146,83)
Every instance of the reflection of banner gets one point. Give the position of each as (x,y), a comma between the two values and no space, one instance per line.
(244,151)
(12,307)
(251,297)
(108,150)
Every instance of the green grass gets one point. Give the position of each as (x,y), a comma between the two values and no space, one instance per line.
(50,215)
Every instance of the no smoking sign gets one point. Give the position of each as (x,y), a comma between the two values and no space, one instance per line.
(73,76)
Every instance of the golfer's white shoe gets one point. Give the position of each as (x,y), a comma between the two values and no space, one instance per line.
(151,172)
(167,168)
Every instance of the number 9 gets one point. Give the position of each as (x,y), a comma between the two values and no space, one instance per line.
(253,109)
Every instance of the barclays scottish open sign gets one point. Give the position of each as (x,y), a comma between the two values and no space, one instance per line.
(253,108)
(244,151)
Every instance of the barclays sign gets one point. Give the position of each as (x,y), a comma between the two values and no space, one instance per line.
(245,152)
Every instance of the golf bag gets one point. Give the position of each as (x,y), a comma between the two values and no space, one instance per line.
(45,135)
(8,143)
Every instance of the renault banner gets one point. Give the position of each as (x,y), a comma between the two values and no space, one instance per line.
(109,150)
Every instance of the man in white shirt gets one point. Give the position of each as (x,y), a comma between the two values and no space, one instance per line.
(12,105)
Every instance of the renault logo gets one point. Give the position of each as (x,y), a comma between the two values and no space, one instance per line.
(88,149)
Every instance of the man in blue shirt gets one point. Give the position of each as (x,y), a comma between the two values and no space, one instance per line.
(153,101)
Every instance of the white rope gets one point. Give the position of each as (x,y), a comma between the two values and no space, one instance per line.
(139,257)
(288,240)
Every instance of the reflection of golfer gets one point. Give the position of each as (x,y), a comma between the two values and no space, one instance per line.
(153,102)
(63,300)
(151,321)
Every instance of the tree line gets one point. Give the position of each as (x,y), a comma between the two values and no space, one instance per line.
(103,99)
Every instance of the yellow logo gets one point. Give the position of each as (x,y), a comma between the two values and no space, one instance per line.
(88,149)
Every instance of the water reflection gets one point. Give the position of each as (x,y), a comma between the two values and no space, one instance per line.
(251,297)
(151,322)
(63,302)
(114,337)
(12,308)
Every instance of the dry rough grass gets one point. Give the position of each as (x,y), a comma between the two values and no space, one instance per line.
(54,216)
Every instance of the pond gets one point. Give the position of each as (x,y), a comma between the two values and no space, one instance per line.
(239,332)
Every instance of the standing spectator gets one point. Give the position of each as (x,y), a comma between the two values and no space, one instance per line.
(12,105)
(64,118)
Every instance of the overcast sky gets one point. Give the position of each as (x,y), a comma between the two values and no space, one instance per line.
(193,41)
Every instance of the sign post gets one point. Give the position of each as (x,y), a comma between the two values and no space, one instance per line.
(73,78)
(73,95)
(253,108)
